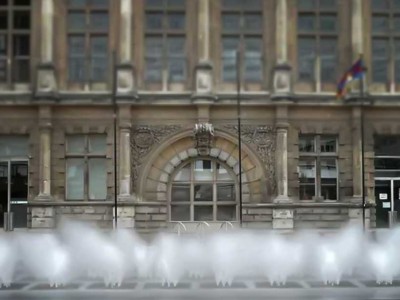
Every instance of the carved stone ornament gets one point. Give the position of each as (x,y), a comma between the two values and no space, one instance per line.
(262,139)
(143,138)
(203,135)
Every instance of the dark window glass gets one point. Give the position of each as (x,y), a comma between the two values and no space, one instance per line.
(4,2)
(226,192)
(396,24)
(306,58)
(22,2)
(154,3)
(176,61)
(380,59)
(99,21)
(252,59)
(307,4)
(328,59)
(327,4)
(328,144)
(252,4)
(21,70)
(380,24)
(99,3)
(99,58)
(231,4)
(253,22)
(176,21)
(306,22)
(396,4)
(328,179)
(3,20)
(3,69)
(78,3)
(21,45)
(154,21)
(397,60)
(230,22)
(306,144)
(153,59)
(387,163)
(22,19)
(226,213)
(203,192)
(76,60)
(3,45)
(180,192)
(307,175)
(175,3)
(180,213)
(77,21)
(380,4)
(203,213)
(387,145)
(229,46)
(327,23)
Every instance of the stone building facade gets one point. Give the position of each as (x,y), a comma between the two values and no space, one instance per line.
(175,68)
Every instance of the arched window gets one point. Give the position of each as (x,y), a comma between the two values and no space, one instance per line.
(203,190)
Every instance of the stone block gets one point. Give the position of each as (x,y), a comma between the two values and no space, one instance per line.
(214,152)
(282,213)
(125,212)
(334,218)
(43,212)
(282,224)
(43,222)
(147,209)
(126,223)
(89,210)
(259,211)
(160,217)
(142,217)
(258,225)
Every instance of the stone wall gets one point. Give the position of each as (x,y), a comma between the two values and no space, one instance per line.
(150,216)
(320,217)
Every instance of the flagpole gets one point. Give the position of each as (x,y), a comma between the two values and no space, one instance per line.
(114,102)
(362,96)
(238,82)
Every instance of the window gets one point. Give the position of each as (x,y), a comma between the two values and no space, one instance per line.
(318,172)
(15,39)
(317,40)
(242,24)
(165,41)
(387,155)
(86,167)
(203,190)
(385,30)
(88,27)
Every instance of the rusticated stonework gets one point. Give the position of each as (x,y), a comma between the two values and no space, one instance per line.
(262,139)
(143,138)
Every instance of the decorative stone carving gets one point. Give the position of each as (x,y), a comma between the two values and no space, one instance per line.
(143,138)
(203,135)
(262,139)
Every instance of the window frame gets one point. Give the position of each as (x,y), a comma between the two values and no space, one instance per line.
(192,203)
(86,156)
(317,156)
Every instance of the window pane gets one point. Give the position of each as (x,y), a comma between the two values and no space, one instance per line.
(21,44)
(99,21)
(76,69)
(397,60)
(97,144)
(154,20)
(306,144)
(3,20)
(176,21)
(180,192)
(230,22)
(229,4)
(253,22)
(226,192)
(328,179)
(180,213)
(75,179)
(252,4)
(203,213)
(328,60)
(3,69)
(306,4)
(21,70)
(176,69)
(307,179)
(222,173)
(387,145)
(230,46)
(380,4)
(306,22)
(183,174)
(3,45)
(78,3)
(22,2)
(396,23)
(380,58)
(380,24)
(253,64)
(229,69)
(327,4)
(203,192)
(203,170)
(154,3)
(226,213)
(327,23)
(98,69)
(99,46)
(328,144)
(154,46)
(396,4)
(99,3)
(76,144)
(175,3)
(22,19)
(4,2)
(14,145)
(176,46)
(387,164)
(76,21)
(97,179)
(306,57)
(153,69)
(76,45)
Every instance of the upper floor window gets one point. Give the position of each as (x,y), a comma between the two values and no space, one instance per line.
(203,190)
(86,167)
(385,43)
(317,40)
(165,41)
(318,173)
(15,41)
(242,24)
(88,39)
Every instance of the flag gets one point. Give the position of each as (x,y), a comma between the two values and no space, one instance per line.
(355,72)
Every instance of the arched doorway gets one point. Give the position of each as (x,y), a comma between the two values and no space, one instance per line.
(203,189)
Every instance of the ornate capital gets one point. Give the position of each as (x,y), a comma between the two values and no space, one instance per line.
(204,136)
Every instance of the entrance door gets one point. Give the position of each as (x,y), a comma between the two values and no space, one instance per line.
(14,191)
(383,196)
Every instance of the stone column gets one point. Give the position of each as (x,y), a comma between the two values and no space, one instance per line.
(281,81)
(203,70)
(124,162)
(357,28)
(126,86)
(46,82)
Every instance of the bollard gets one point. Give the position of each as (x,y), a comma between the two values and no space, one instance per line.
(8,221)
(392,218)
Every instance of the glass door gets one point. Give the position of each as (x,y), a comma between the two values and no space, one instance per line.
(14,191)
(383,196)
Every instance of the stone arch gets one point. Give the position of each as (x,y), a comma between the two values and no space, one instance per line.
(163,160)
